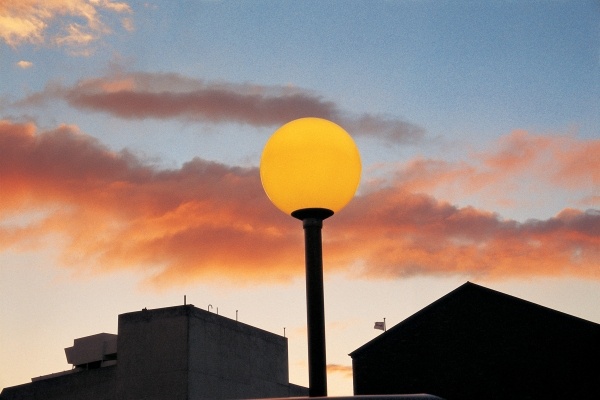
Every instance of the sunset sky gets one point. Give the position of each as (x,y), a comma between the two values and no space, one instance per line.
(131,133)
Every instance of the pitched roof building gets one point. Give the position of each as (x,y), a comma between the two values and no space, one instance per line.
(170,353)
(477,343)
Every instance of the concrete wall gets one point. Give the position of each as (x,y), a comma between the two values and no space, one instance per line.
(188,353)
(153,354)
(229,359)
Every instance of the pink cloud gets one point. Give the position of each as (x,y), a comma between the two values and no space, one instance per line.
(171,96)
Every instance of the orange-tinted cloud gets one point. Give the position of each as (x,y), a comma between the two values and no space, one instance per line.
(517,163)
(340,369)
(168,96)
(80,22)
(564,159)
(110,211)
(411,234)
(115,212)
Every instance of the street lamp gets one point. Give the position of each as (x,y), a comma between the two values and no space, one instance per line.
(310,168)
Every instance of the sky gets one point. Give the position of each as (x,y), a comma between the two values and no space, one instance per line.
(131,135)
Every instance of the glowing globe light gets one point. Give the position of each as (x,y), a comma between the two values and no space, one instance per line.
(310,163)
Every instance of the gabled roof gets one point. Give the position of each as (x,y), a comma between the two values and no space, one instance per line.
(472,306)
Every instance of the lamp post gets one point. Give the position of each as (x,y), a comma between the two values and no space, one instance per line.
(310,168)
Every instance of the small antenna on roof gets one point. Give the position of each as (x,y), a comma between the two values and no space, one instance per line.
(184,300)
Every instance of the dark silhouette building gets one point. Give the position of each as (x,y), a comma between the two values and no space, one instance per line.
(477,343)
(170,353)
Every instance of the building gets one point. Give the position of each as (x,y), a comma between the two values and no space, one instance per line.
(170,353)
(477,343)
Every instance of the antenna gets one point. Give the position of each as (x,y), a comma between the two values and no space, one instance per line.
(184,300)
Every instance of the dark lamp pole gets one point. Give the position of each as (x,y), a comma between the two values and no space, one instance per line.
(312,221)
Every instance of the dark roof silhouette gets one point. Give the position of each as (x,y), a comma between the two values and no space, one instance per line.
(477,343)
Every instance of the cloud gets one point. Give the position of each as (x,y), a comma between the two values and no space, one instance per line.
(171,96)
(109,211)
(568,161)
(340,369)
(415,234)
(24,64)
(70,23)
(516,163)
(115,212)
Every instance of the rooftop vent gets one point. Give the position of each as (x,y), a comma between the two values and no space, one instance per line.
(93,351)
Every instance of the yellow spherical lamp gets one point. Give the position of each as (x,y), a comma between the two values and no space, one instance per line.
(310,163)
(310,168)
